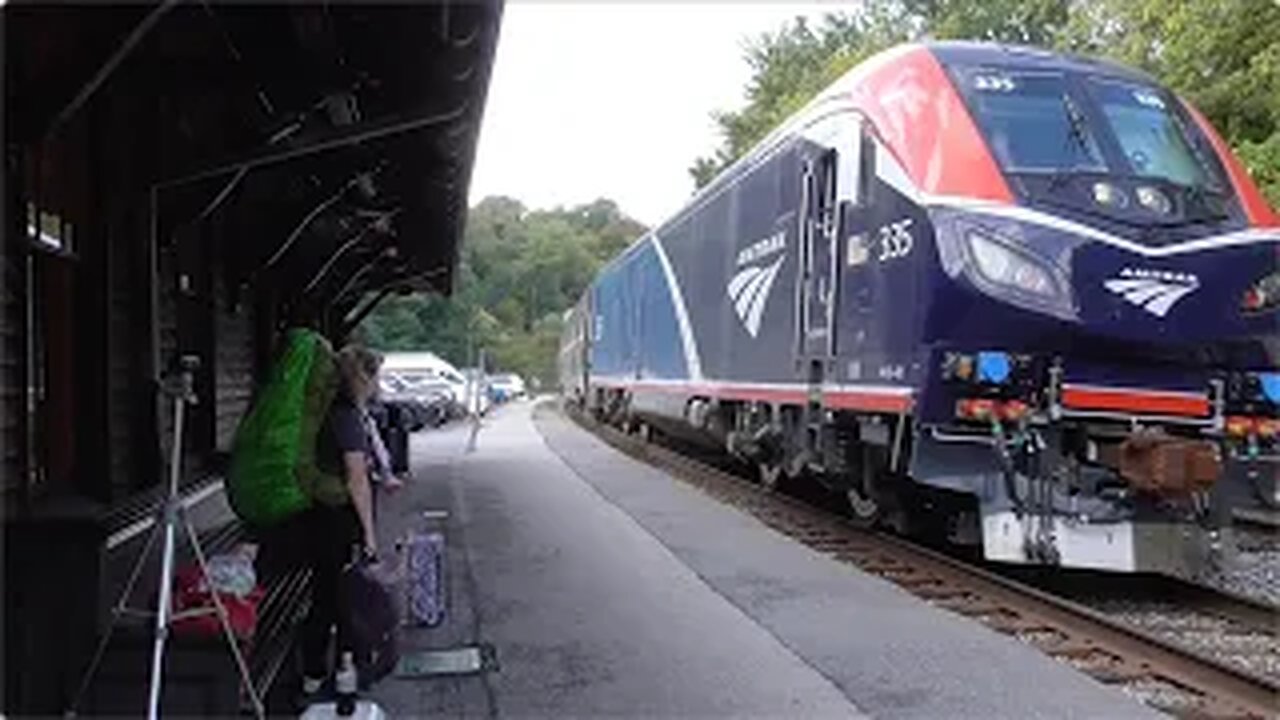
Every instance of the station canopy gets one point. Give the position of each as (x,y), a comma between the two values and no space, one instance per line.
(330,143)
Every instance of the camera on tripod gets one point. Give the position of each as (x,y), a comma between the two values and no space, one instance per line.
(180,381)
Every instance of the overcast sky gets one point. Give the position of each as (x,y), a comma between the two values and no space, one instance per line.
(611,100)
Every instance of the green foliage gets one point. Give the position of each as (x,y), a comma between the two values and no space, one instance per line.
(519,271)
(1026,22)
(788,67)
(1223,55)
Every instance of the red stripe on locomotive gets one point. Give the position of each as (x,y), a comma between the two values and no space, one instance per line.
(922,120)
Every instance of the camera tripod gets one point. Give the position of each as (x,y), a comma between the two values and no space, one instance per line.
(169,516)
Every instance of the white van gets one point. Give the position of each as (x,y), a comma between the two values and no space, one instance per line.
(415,369)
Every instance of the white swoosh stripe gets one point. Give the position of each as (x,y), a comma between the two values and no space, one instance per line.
(692,359)
(740,280)
(891,173)
(753,294)
(1141,295)
(1161,305)
(748,293)
(757,307)
(1038,217)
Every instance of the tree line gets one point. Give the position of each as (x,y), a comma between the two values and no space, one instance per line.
(1222,55)
(519,270)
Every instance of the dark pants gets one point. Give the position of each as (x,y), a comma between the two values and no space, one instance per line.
(330,533)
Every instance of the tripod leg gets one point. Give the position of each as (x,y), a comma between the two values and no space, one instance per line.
(116,612)
(164,605)
(258,710)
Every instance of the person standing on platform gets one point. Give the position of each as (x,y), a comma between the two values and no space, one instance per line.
(342,517)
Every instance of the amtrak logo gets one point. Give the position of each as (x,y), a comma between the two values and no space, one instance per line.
(749,291)
(1155,291)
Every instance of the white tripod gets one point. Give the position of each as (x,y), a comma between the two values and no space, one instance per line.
(169,516)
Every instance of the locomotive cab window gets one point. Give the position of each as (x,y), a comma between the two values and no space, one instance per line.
(1151,136)
(1031,121)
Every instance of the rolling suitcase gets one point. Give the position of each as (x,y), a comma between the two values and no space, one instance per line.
(424,578)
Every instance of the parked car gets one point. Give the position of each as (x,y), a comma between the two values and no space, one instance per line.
(432,398)
(419,370)
(507,386)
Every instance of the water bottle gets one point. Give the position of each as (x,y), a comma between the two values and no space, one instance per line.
(346,683)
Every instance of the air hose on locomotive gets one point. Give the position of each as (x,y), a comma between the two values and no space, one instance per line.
(1021,453)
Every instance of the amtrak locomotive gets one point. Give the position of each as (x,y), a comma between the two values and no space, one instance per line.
(1024,299)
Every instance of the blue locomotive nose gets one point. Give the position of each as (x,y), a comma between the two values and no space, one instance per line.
(1188,296)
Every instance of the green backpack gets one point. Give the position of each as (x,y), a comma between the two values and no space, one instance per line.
(273,473)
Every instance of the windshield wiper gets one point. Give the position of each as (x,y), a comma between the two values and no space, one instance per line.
(1200,196)
(1075,124)
(1076,133)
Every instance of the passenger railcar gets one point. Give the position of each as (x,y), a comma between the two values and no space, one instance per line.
(1027,299)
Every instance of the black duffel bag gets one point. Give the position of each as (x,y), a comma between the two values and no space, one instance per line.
(372,620)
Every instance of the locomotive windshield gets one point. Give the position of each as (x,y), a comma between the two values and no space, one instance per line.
(1149,135)
(1032,122)
(1044,122)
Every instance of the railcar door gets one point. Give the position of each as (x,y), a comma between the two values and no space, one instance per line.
(819,216)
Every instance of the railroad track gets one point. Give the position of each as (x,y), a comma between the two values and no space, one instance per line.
(1196,654)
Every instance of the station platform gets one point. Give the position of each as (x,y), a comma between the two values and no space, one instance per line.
(599,586)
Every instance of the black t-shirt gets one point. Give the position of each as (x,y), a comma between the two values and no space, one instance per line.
(342,432)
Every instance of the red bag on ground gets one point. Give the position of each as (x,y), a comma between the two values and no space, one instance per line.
(190,592)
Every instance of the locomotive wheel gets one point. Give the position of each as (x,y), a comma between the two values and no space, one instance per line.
(770,474)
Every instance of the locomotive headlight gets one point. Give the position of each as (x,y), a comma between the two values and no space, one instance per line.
(1153,200)
(1105,193)
(1002,265)
(1011,262)
(1263,295)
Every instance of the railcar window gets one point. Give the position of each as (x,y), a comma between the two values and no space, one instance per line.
(1031,121)
(1149,134)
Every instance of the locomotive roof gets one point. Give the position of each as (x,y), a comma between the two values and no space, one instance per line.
(958,52)
(947,52)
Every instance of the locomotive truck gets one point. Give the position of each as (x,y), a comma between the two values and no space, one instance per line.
(1020,299)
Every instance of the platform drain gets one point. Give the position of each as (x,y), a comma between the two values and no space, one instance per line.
(467,660)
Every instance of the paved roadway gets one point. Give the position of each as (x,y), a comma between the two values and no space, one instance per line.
(608,589)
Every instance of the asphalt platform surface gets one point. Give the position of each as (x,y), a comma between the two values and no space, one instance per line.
(601,587)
